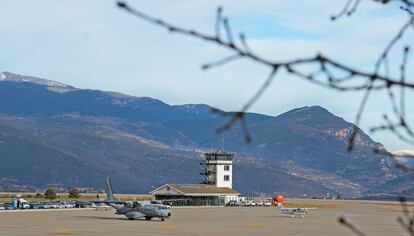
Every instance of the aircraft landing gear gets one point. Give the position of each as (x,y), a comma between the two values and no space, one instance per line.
(162,219)
(147,218)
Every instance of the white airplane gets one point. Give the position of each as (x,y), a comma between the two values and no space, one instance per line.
(292,212)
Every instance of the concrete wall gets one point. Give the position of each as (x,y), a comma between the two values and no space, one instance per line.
(220,173)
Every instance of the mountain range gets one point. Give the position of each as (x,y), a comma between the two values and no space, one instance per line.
(53,134)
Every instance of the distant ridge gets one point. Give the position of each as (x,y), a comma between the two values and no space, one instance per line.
(53,85)
(145,142)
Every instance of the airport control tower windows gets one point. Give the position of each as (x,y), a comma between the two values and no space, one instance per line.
(227,168)
(227,178)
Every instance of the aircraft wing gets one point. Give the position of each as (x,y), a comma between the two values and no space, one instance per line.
(109,202)
(299,209)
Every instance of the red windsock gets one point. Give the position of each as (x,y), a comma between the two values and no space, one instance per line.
(278,198)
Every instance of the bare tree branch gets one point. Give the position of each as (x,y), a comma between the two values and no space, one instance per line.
(350,226)
(406,221)
(329,73)
(363,80)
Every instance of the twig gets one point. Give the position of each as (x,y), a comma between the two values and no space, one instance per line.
(368,81)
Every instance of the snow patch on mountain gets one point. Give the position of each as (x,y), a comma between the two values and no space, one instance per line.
(49,84)
(2,76)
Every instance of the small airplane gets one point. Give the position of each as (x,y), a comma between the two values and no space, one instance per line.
(292,212)
(134,210)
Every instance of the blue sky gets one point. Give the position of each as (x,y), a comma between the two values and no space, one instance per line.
(93,44)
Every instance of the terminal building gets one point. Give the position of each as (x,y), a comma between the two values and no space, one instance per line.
(215,190)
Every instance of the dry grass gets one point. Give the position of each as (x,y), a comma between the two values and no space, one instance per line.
(316,205)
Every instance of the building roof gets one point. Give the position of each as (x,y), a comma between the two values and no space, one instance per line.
(218,153)
(198,189)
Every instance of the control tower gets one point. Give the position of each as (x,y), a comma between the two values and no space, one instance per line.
(218,169)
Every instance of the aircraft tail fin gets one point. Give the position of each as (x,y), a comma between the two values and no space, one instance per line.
(109,190)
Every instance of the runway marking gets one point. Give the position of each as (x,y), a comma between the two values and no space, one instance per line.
(167,226)
(390,210)
(256,225)
(61,231)
(333,222)
(35,216)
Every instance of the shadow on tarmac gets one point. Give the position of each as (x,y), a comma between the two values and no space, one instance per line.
(276,216)
(112,218)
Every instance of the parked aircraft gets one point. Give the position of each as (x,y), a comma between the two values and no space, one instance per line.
(292,212)
(136,209)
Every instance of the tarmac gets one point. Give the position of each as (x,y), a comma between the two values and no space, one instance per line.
(372,218)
